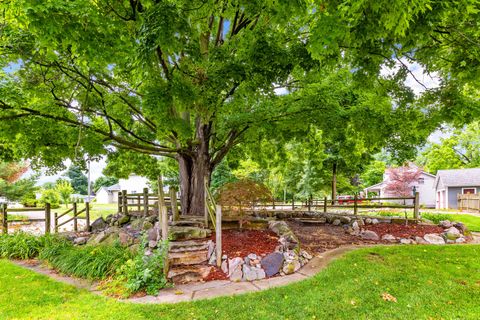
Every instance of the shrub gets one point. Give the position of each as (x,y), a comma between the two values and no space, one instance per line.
(50,196)
(20,245)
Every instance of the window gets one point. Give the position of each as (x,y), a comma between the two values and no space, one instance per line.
(421,180)
(469,191)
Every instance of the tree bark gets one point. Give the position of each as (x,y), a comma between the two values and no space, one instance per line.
(334,182)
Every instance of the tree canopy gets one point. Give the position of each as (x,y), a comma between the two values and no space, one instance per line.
(189,80)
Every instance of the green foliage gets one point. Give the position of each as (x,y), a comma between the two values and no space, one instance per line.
(11,186)
(78,179)
(144,272)
(29,200)
(64,190)
(50,196)
(373,173)
(435,217)
(20,245)
(104,181)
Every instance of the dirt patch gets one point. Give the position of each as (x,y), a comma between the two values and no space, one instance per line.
(320,238)
(403,231)
(216,274)
(236,243)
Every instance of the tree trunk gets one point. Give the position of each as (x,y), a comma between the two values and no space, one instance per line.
(334,182)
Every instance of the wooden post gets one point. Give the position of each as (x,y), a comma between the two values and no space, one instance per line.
(120,202)
(355,204)
(139,203)
(75,224)
(325,204)
(173,200)
(145,202)
(293,203)
(416,209)
(162,210)
(273,204)
(47,218)
(55,222)
(218,235)
(205,198)
(4,219)
(309,203)
(124,202)
(87,216)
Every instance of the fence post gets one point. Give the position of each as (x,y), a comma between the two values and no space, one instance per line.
(4,219)
(355,204)
(162,210)
(173,201)
(55,222)
(47,218)
(145,202)
(205,199)
(87,216)
(416,209)
(325,204)
(138,203)
(120,202)
(75,224)
(293,203)
(273,204)
(124,202)
(218,235)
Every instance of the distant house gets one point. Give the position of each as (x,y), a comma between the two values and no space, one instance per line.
(134,184)
(424,185)
(450,183)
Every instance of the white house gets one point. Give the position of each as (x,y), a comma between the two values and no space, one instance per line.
(425,185)
(134,184)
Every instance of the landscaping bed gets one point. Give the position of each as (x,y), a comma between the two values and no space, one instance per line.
(403,231)
(240,243)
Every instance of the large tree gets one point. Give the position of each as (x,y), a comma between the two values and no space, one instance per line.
(188,79)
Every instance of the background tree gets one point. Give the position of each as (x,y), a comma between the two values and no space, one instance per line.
(401,179)
(64,190)
(50,196)
(12,186)
(104,181)
(78,179)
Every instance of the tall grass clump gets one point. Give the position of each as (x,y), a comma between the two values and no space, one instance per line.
(435,217)
(20,245)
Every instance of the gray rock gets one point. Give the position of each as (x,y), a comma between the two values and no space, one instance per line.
(152,243)
(224,266)
(234,265)
(249,273)
(261,274)
(461,227)
(368,221)
(407,241)
(452,233)
(125,238)
(355,226)
(252,256)
(80,240)
(98,224)
(369,235)
(461,240)
(445,224)
(213,259)
(272,263)
(306,255)
(236,275)
(98,238)
(291,267)
(337,222)
(211,248)
(434,238)
(123,219)
(389,237)
(420,240)
(375,221)
(224,257)
(345,219)
(153,234)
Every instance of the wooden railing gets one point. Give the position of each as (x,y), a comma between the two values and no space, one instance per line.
(76,216)
(468,202)
(4,210)
(143,202)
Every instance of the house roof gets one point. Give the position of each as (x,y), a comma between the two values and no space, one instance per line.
(459,177)
(115,187)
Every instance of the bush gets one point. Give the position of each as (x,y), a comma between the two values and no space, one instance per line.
(50,196)
(20,245)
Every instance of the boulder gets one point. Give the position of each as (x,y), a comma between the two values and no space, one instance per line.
(235,272)
(213,259)
(153,234)
(355,226)
(272,263)
(445,224)
(291,267)
(434,238)
(125,238)
(368,221)
(261,274)
(249,273)
(407,241)
(375,221)
(306,255)
(123,219)
(420,240)
(98,225)
(389,238)
(187,233)
(345,219)
(80,241)
(137,224)
(98,238)
(147,225)
(337,222)
(224,266)
(461,227)
(369,235)
(461,240)
(452,233)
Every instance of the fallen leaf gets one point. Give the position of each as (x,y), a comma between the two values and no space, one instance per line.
(388,297)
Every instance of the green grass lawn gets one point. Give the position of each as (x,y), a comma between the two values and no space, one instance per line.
(11,217)
(100,210)
(472,222)
(429,282)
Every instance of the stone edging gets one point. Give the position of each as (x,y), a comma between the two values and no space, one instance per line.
(210,289)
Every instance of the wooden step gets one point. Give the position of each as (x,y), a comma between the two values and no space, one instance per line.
(177,233)
(185,274)
(189,245)
(188,223)
(187,258)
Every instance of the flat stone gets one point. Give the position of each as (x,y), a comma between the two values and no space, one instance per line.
(234,265)
(98,224)
(420,240)
(80,240)
(228,290)
(191,245)
(368,221)
(345,219)
(375,221)
(460,240)
(124,219)
(187,258)
(389,237)
(188,233)
(272,263)
(407,241)
(369,235)
(452,233)
(291,267)
(434,238)
(185,274)
(337,222)
(445,224)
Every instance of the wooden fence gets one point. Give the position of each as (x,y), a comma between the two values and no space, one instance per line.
(143,202)
(4,210)
(355,204)
(468,202)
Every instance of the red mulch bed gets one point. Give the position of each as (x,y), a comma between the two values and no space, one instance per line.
(236,243)
(403,231)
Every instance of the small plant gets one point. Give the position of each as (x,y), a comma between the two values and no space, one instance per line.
(20,245)
(435,218)
(50,196)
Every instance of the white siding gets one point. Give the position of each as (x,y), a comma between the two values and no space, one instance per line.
(134,184)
